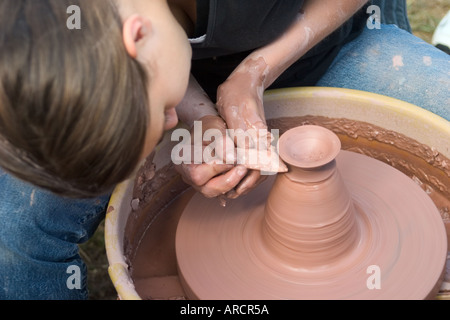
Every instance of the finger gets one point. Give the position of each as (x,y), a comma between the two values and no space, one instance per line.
(252,179)
(199,174)
(255,137)
(223,183)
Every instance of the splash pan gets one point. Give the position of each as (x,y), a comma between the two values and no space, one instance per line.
(144,212)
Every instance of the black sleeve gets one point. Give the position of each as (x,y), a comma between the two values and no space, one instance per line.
(241,25)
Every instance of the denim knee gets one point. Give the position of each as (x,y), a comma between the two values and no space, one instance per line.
(394,63)
(39,237)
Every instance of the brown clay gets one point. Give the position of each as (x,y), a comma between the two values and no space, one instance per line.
(336,226)
(152,259)
(309,217)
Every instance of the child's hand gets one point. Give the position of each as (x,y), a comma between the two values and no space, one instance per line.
(217,176)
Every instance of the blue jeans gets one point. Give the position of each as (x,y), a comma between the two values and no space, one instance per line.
(39,237)
(394,63)
(39,232)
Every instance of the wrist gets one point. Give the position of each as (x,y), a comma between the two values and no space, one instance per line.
(189,113)
(252,72)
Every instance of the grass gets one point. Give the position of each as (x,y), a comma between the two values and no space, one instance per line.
(94,255)
(424,16)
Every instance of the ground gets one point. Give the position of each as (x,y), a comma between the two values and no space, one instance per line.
(424,16)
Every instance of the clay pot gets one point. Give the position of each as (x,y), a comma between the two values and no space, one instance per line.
(309,217)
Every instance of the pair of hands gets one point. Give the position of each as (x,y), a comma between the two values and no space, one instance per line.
(239,100)
(240,107)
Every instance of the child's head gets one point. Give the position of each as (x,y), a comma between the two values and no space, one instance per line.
(79,108)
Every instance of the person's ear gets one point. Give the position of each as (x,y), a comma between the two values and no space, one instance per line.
(135,29)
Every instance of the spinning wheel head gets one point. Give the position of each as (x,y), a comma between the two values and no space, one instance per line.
(313,232)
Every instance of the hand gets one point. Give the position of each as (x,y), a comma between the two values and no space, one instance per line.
(218,176)
(240,103)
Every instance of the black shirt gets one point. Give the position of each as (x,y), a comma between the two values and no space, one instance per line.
(231,29)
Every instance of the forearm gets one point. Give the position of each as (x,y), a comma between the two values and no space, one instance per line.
(195,105)
(318,20)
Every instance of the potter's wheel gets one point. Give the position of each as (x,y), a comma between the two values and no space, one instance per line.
(388,235)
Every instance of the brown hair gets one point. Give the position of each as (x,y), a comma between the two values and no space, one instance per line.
(73,103)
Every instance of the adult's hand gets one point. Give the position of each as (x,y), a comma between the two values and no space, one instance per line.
(240,103)
(240,97)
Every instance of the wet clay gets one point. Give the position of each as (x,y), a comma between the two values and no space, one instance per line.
(424,164)
(150,231)
(306,236)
